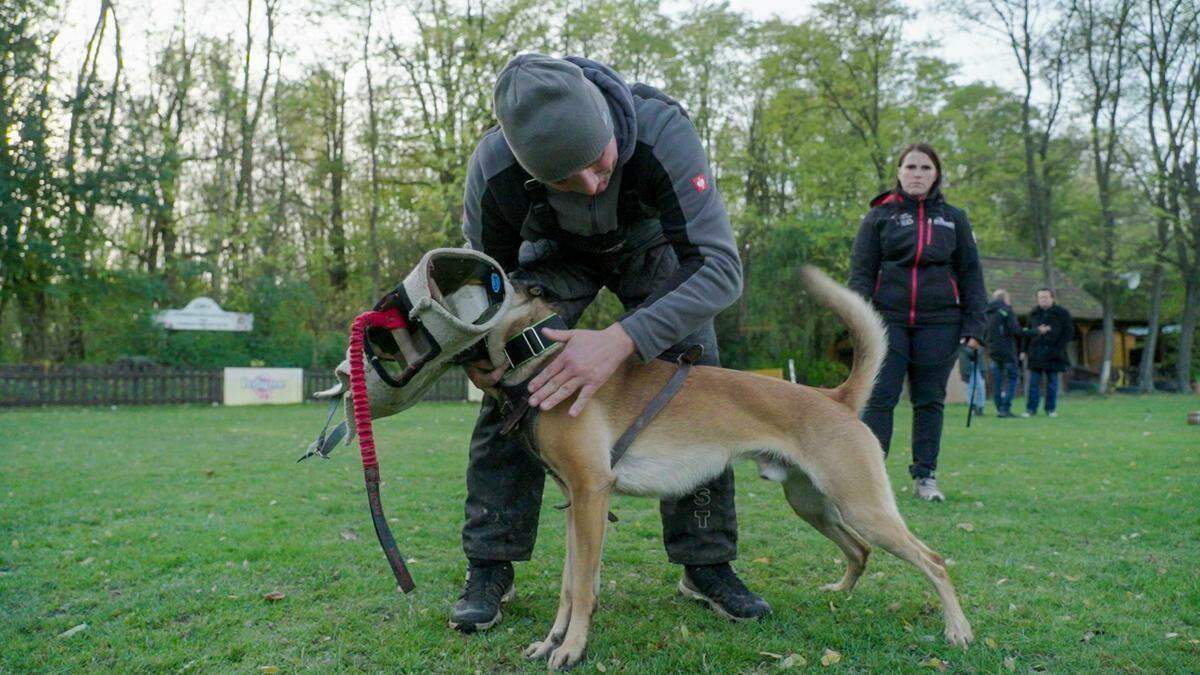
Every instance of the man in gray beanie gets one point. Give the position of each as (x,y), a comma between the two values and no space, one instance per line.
(591,183)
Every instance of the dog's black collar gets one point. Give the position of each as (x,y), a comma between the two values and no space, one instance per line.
(531,342)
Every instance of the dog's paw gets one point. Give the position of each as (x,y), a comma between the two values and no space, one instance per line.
(567,655)
(540,650)
(959,636)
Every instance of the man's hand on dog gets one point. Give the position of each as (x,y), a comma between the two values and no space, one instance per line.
(588,359)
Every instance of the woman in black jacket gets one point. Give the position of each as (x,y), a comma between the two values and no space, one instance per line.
(915,259)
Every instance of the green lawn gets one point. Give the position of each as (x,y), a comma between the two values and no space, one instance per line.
(1074,545)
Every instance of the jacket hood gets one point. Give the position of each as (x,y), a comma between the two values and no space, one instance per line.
(620,103)
(899,197)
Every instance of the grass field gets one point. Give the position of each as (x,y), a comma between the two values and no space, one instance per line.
(1074,545)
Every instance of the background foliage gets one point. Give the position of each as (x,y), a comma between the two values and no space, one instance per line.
(299,178)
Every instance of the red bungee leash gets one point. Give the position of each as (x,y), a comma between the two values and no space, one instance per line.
(390,319)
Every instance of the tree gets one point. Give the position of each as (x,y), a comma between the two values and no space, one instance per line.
(89,146)
(1033,34)
(27,175)
(1169,57)
(1102,30)
(852,54)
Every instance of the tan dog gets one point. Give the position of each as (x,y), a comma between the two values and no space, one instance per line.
(809,439)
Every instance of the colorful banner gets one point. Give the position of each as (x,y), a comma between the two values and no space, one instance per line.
(263,386)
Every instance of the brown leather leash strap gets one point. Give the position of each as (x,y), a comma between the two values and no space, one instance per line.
(516,407)
(660,401)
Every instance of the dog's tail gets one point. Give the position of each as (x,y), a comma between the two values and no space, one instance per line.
(866,331)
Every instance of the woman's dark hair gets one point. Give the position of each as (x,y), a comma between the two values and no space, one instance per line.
(925,149)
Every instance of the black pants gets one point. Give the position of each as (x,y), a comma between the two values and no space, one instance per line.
(505,483)
(925,354)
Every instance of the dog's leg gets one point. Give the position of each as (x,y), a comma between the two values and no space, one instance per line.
(540,650)
(589,517)
(811,505)
(881,525)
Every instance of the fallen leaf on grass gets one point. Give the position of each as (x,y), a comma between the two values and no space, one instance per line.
(966,527)
(269,670)
(1002,581)
(1010,663)
(792,660)
(830,657)
(274,596)
(87,561)
(600,667)
(1087,637)
(894,607)
(934,663)
(763,560)
(1172,635)
(772,655)
(683,630)
(210,473)
(71,631)
(989,642)
(349,535)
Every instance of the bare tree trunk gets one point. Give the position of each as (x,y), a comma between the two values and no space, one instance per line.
(1040,52)
(1146,366)
(1102,31)
(336,149)
(1106,357)
(373,149)
(243,203)
(82,194)
(1187,334)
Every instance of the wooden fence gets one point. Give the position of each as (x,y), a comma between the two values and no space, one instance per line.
(22,385)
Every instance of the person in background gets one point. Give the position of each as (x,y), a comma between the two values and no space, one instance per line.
(1051,329)
(1001,338)
(915,260)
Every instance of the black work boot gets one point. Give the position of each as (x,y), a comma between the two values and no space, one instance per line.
(489,583)
(720,588)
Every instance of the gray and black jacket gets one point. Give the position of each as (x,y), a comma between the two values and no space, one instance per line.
(662,188)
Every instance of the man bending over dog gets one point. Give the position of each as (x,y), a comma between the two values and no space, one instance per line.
(589,182)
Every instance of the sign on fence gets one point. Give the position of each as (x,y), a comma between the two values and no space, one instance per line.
(259,386)
(204,314)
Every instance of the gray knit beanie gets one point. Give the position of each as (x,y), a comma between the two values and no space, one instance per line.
(555,121)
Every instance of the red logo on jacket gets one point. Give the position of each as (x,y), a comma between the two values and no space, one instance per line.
(700,182)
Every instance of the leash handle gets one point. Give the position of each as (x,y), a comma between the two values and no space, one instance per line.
(390,319)
(975,376)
